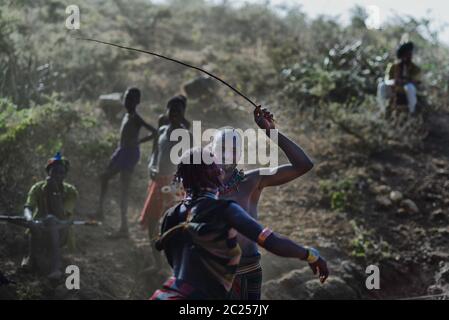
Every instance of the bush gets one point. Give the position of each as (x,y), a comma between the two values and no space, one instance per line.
(30,136)
(340,194)
(366,246)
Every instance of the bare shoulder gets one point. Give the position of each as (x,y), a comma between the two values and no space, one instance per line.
(252,178)
(137,118)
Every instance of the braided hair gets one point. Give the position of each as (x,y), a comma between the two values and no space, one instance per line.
(198,175)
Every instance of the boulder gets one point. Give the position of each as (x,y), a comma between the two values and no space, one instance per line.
(274,266)
(437,256)
(383,202)
(302,285)
(381,189)
(409,206)
(199,87)
(437,215)
(291,286)
(333,289)
(112,105)
(443,231)
(396,196)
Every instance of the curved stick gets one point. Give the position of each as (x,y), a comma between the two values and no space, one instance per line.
(176,61)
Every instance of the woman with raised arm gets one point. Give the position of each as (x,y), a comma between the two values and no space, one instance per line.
(198,236)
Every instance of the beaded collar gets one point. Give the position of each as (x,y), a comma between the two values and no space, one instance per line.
(233,183)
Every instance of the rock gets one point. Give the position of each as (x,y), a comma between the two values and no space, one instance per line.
(353,274)
(437,215)
(396,196)
(432,196)
(443,231)
(377,168)
(325,168)
(302,285)
(383,202)
(434,289)
(274,266)
(381,189)
(442,172)
(409,206)
(437,256)
(441,285)
(439,163)
(112,105)
(61,292)
(288,287)
(199,87)
(333,289)
(442,276)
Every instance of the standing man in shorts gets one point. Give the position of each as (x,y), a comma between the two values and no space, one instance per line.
(125,157)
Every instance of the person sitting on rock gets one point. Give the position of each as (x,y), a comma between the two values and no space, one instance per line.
(47,198)
(401,81)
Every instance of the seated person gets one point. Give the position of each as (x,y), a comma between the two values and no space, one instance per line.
(51,197)
(401,80)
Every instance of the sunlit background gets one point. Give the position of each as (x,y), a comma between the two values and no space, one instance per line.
(435,10)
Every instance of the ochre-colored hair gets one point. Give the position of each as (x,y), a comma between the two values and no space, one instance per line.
(197,176)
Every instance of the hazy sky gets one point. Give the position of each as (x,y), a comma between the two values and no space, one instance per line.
(438,10)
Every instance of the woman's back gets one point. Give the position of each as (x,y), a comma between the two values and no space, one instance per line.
(203,251)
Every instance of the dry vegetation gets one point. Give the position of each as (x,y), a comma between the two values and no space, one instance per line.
(318,77)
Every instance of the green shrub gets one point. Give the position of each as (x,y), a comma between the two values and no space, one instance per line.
(341,195)
(30,136)
(366,246)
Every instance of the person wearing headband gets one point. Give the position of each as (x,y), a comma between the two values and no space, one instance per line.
(50,197)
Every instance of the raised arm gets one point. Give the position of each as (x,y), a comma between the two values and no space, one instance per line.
(299,164)
(241,221)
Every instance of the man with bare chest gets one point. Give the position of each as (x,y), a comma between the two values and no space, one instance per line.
(125,157)
(246,188)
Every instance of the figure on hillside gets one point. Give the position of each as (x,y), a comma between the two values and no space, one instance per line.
(164,118)
(199,236)
(401,81)
(162,192)
(49,198)
(125,157)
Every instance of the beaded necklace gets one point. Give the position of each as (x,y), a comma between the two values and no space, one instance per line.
(233,182)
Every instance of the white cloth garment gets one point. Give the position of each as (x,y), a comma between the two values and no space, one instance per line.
(385,92)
